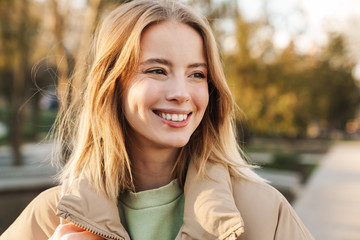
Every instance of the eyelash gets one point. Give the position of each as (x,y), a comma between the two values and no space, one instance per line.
(159,71)
(156,71)
(200,75)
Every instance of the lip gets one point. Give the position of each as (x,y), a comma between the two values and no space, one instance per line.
(170,110)
(170,123)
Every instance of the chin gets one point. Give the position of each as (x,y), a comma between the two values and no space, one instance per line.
(178,143)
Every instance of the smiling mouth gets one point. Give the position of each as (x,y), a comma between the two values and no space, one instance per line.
(176,117)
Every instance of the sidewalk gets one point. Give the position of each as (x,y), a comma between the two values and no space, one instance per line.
(330,203)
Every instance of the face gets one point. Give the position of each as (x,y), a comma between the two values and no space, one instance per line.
(168,95)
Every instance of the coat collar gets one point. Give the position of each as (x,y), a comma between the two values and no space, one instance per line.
(210,211)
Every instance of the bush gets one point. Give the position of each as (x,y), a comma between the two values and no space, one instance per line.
(291,162)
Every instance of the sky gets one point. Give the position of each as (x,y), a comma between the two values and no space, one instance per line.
(309,21)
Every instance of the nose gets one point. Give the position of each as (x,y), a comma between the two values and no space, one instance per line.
(177,90)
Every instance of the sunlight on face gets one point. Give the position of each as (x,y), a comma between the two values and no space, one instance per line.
(168,96)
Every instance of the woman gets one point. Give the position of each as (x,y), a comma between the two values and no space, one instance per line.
(155,155)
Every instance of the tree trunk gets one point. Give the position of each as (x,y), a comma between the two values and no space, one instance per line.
(20,66)
(60,54)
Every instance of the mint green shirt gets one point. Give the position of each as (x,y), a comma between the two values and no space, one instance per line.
(153,214)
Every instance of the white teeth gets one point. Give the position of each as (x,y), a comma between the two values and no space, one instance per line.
(174,117)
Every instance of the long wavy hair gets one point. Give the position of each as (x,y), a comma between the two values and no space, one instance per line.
(95,125)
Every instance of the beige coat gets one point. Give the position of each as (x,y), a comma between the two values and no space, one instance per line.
(216,208)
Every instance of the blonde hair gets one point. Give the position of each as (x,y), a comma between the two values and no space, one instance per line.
(99,131)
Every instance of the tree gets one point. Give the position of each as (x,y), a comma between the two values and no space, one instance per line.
(14,66)
(335,94)
(283,92)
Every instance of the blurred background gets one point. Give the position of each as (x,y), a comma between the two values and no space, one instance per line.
(293,67)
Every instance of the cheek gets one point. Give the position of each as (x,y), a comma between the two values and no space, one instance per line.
(131,103)
(139,97)
(201,97)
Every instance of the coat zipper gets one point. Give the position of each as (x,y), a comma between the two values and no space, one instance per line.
(68,217)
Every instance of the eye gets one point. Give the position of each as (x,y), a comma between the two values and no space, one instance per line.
(156,71)
(198,75)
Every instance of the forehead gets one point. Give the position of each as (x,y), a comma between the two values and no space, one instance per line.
(172,39)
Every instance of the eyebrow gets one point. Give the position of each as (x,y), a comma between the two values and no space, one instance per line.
(168,63)
(196,65)
(156,60)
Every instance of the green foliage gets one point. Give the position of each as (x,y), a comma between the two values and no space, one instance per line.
(291,162)
(40,126)
(282,93)
(284,145)
(285,160)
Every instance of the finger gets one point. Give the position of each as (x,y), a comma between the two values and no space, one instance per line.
(72,227)
(63,221)
(85,235)
(67,228)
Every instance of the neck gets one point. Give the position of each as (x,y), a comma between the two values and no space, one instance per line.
(151,167)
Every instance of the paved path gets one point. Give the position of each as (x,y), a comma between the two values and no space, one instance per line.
(330,203)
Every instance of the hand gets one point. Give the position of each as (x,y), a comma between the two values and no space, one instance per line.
(69,231)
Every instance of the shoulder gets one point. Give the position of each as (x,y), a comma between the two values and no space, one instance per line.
(44,205)
(48,197)
(256,192)
(38,220)
(262,206)
(257,200)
